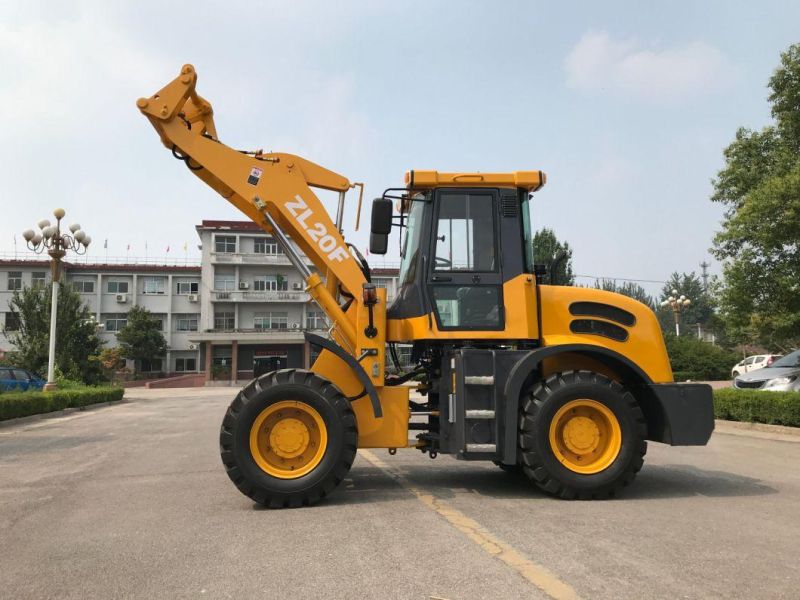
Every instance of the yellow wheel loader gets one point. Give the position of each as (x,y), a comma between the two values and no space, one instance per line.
(565,384)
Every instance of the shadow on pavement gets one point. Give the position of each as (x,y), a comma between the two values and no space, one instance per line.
(680,481)
(654,482)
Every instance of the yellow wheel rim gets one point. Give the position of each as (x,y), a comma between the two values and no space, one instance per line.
(585,436)
(288,439)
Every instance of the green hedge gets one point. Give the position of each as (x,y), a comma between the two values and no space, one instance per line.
(776,408)
(23,404)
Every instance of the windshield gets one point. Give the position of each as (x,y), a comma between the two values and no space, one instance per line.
(410,248)
(790,360)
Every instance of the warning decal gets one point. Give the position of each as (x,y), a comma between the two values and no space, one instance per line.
(255,176)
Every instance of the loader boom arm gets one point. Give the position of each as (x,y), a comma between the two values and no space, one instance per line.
(272,189)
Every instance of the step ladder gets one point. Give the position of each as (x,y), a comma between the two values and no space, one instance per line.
(475,413)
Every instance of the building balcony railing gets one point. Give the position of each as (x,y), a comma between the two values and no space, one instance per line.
(255,335)
(248,296)
(275,330)
(241,258)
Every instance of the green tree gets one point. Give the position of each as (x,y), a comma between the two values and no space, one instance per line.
(546,249)
(698,360)
(141,338)
(77,342)
(627,288)
(700,310)
(760,236)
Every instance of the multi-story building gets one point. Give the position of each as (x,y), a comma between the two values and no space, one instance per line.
(240,311)
(170,293)
(254,308)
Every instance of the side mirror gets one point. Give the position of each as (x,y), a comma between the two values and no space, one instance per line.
(378,243)
(381,225)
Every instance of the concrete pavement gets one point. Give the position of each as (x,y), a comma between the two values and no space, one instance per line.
(131,501)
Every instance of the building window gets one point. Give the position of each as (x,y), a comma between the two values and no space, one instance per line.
(37,279)
(159,320)
(186,323)
(185,364)
(315,319)
(225,243)
(265,246)
(224,320)
(115,322)
(225,283)
(83,287)
(271,320)
(153,285)
(14,280)
(152,365)
(12,322)
(117,287)
(188,287)
(270,283)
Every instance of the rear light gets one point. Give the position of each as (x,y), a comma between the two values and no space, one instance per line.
(370,294)
(770,360)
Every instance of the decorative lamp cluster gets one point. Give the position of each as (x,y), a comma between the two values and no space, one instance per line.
(50,237)
(676,301)
(677,304)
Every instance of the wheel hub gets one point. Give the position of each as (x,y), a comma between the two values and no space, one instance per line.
(581,435)
(585,436)
(289,438)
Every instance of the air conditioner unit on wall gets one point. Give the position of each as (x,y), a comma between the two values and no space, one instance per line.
(243,285)
(193,297)
(122,298)
(297,286)
(295,325)
(192,346)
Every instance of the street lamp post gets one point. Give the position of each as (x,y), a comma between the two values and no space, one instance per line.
(677,304)
(57,244)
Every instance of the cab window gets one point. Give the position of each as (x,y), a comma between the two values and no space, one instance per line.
(465,239)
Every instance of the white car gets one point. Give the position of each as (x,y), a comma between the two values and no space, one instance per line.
(753,363)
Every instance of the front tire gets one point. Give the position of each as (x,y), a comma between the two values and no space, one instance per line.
(581,436)
(288,439)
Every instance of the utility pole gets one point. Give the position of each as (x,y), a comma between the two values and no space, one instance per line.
(704,265)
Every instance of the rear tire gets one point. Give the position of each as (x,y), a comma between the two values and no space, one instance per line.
(315,445)
(581,436)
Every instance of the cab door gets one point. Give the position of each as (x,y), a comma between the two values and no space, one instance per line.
(465,282)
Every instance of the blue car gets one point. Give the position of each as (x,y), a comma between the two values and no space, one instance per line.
(19,379)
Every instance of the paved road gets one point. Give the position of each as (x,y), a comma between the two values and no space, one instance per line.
(130,500)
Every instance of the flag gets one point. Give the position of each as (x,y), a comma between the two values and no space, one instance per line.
(105,245)
(128,248)
(185,246)
(167,249)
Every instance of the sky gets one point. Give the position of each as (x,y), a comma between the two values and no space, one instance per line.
(627,106)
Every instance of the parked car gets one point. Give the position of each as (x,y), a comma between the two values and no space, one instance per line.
(19,379)
(783,375)
(753,363)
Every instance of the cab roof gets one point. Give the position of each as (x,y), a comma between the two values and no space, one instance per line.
(529,180)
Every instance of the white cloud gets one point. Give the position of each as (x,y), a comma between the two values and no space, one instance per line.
(624,67)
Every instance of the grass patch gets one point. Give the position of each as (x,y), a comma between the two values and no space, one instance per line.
(22,404)
(756,406)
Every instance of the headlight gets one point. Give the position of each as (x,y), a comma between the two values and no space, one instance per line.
(780,381)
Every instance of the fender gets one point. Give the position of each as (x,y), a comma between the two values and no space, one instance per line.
(358,370)
(530,362)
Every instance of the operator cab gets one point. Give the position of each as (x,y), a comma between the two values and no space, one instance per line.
(467,236)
